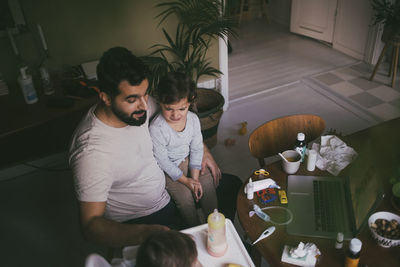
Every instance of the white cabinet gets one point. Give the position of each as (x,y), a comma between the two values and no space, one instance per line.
(343,23)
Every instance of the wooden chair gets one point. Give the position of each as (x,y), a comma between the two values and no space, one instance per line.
(280,134)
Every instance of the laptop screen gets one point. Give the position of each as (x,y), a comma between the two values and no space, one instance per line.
(365,185)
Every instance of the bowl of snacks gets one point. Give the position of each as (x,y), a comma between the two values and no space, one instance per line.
(385,228)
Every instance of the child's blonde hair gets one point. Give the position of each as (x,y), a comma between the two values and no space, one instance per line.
(167,249)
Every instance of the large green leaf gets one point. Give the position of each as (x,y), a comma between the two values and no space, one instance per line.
(199,21)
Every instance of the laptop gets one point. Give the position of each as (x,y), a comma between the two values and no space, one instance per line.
(324,206)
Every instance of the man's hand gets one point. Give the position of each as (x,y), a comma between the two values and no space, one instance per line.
(209,162)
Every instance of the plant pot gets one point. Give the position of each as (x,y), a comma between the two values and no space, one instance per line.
(208,107)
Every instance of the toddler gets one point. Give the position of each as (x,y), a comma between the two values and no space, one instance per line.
(178,148)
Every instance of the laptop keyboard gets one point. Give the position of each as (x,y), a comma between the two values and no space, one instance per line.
(327,205)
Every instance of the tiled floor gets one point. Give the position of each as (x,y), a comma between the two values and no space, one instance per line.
(376,97)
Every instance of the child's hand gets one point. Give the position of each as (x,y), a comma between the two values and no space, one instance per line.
(193,185)
(198,192)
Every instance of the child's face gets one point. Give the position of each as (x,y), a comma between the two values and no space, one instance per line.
(175,113)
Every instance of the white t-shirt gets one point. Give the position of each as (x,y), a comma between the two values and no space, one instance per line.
(117,165)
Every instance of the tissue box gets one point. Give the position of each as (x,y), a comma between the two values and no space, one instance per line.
(303,261)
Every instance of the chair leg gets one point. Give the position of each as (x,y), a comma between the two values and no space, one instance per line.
(264,7)
(391,62)
(379,62)
(395,59)
(241,11)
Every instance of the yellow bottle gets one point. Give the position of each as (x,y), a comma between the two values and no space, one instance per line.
(216,241)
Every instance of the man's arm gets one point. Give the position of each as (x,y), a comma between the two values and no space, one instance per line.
(209,162)
(110,233)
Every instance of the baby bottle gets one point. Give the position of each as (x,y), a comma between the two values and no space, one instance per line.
(216,241)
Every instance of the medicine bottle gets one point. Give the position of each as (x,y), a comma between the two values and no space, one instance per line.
(300,145)
(353,253)
(28,89)
(339,240)
(216,241)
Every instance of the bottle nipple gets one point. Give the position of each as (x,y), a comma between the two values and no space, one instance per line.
(216,216)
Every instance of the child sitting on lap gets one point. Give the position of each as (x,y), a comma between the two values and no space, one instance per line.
(178,148)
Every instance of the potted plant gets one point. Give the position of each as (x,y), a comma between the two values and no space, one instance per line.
(199,22)
(388,13)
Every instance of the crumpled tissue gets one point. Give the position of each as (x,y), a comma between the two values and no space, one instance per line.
(333,154)
(302,255)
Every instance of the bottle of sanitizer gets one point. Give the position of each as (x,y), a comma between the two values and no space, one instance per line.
(216,241)
(27,87)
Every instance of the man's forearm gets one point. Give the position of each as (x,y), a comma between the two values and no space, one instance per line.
(114,234)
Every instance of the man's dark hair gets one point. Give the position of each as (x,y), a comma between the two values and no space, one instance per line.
(174,87)
(167,249)
(116,65)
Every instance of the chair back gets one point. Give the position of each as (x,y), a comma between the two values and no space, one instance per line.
(280,134)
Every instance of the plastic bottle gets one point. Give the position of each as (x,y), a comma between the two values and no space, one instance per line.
(353,253)
(339,240)
(300,145)
(311,160)
(216,241)
(250,189)
(26,84)
(47,85)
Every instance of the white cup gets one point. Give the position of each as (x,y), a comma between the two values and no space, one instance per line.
(294,159)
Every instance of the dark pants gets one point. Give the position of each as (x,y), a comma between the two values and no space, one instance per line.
(167,216)
(227,192)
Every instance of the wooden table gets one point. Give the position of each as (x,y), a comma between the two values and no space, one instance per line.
(30,131)
(384,141)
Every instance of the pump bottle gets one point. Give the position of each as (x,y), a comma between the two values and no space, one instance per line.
(216,241)
(27,87)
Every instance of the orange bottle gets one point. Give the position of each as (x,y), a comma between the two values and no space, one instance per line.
(353,253)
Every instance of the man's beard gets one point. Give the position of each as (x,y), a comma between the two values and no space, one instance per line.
(129,119)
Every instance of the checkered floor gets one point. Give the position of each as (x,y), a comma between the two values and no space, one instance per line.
(376,97)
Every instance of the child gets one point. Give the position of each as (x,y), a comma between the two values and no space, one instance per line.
(168,249)
(178,148)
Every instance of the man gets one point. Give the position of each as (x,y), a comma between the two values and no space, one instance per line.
(120,188)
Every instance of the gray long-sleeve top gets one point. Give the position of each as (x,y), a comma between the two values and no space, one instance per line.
(170,147)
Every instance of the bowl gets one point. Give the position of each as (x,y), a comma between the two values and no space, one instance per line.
(381,240)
